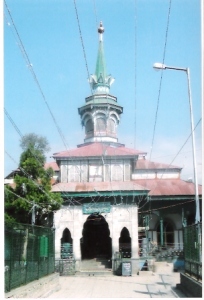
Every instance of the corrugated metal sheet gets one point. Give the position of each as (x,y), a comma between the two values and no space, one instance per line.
(156,187)
(168,187)
(144,164)
(97,150)
(98,186)
(52,165)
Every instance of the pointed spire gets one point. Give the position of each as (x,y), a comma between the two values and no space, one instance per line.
(100,82)
(101,64)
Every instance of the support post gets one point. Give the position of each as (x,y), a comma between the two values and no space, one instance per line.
(161,232)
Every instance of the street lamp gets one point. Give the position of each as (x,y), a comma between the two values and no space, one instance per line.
(161,66)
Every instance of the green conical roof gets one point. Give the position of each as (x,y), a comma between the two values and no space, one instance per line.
(100,64)
(100,82)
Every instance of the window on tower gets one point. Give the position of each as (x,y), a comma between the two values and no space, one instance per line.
(89,127)
(111,126)
(100,125)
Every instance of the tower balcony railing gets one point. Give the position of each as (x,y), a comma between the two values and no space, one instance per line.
(100,96)
(101,134)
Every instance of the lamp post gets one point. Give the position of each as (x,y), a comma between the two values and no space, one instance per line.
(161,66)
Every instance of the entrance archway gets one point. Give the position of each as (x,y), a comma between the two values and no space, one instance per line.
(96,241)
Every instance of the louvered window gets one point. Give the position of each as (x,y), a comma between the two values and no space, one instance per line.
(64,173)
(84,173)
(111,126)
(100,125)
(106,172)
(117,173)
(89,127)
(127,172)
(74,174)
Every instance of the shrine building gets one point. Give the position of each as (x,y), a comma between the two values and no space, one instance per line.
(115,200)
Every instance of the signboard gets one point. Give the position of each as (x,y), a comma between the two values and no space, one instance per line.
(126,269)
(102,207)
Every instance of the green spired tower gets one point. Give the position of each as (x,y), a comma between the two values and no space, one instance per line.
(101,114)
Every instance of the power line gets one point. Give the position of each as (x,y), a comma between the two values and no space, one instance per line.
(160,84)
(95,13)
(82,43)
(35,183)
(164,207)
(23,198)
(30,66)
(135,131)
(185,142)
(13,123)
(152,191)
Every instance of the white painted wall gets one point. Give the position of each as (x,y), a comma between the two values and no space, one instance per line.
(81,171)
(118,218)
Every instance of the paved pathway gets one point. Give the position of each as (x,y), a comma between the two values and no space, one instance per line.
(145,285)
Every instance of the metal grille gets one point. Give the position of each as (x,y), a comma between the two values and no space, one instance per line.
(193,250)
(29,254)
(65,267)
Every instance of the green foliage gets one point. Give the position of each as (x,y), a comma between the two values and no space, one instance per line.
(34,141)
(32,186)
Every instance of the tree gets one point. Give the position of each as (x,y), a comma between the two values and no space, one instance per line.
(32,140)
(32,186)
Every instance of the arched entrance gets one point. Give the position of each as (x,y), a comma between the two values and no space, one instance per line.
(96,241)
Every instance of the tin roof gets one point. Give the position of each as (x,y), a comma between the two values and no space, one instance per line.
(169,187)
(52,165)
(97,150)
(155,187)
(98,186)
(142,164)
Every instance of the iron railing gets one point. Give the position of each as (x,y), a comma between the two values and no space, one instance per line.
(65,267)
(29,254)
(193,250)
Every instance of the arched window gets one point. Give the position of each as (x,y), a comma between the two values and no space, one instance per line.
(125,243)
(66,236)
(111,126)
(100,125)
(89,127)
(66,244)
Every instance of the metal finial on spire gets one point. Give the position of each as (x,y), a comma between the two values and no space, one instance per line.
(101,28)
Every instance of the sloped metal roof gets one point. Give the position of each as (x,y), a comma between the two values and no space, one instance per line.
(154,187)
(168,187)
(98,186)
(144,164)
(52,165)
(97,150)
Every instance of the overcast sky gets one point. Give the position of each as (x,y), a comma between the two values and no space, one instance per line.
(156,118)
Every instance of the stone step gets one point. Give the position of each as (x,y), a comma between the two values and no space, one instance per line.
(94,273)
(95,265)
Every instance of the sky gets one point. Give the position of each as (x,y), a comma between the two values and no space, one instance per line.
(156,114)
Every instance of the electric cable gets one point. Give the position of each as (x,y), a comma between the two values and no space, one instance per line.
(25,55)
(160,83)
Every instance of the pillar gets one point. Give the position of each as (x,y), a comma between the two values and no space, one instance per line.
(134,240)
(77,234)
(115,233)
(161,232)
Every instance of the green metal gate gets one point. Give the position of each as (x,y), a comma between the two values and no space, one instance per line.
(193,250)
(29,254)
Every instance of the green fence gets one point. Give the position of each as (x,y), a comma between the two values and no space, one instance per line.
(193,250)
(29,254)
